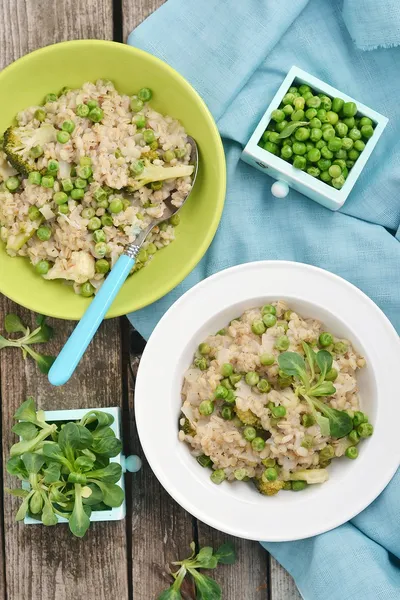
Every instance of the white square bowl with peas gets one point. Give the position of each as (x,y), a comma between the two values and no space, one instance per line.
(314,139)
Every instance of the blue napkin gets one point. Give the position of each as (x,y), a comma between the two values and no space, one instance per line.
(373,23)
(236,55)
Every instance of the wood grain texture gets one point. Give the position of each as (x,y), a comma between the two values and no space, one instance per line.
(248,577)
(283,586)
(161,529)
(56,565)
(135,11)
(26,25)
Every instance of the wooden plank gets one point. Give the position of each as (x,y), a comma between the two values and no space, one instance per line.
(29,24)
(49,563)
(283,586)
(56,564)
(248,577)
(161,529)
(134,12)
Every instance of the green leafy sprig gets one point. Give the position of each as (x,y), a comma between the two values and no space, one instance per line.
(67,467)
(206,587)
(43,333)
(332,422)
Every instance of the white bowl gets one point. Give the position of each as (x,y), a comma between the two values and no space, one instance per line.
(237,508)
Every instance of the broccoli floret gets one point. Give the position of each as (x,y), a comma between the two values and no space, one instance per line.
(19,141)
(247,417)
(152,173)
(269,488)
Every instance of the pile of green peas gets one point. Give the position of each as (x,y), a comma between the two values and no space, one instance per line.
(328,140)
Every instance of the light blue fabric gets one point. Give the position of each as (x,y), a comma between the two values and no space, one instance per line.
(373,23)
(236,54)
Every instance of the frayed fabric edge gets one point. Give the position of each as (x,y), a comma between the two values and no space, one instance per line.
(378,46)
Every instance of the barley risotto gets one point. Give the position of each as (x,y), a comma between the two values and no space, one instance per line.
(273,398)
(83,174)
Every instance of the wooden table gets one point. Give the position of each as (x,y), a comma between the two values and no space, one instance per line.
(120,560)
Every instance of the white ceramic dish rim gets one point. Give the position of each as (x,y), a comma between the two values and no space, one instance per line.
(278,518)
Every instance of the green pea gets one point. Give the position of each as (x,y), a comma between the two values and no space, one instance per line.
(321,114)
(265,136)
(206,408)
(326,102)
(84,172)
(99,236)
(299,148)
(307,420)
(268,309)
(252,378)
(326,339)
(326,153)
(335,171)
(34,177)
(304,88)
(82,110)
(249,433)
(331,375)
(350,164)
(341,154)
(258,444)
(60,198)
(269,320)
(315,123)
(139,121)
(337,104)
(271,147)
(145,94)
(351,452)
(327,453)
(280,126)
(311,113)
(270,474)
(87,290)
(227,413)
(321,144)
(299,103)
(12,184)
(300,162)
(297,115)
(277,115)
(227,369)
(92,104)
(44,233)
(309,146)
(297,486)
(288,109)
(367,131)
(34,213)
(365,430)
(67,185)
(288,99)
(204,348)
(235,378)
(286,152)
(359,418)
(94,223)
(169,155)
(267,359)
(314,155)
(96,114)
(340,348)
(231,398)
(302,134)
(80,183)
(88,213)
(279,411)
(116,206)
(136,104)
(68,126)
(264,386)
(148,136)
(349,109)
(325,177)
(338,182)
(63,137)
(274,137)
(359,145)
(47,181)
(341,163)
(217,476)
(282,343)
(40,115)
(354,437)
(106,220)
(42,267)
(324,164)
(313,171)
(50,98)
(77,194)
(354,134)
(313,102)
(353,154)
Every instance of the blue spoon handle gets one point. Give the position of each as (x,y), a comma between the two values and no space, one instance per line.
(79,340)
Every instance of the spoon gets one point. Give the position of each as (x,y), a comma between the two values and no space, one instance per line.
(69,357)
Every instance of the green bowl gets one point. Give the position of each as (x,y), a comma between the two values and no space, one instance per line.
(30,78)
